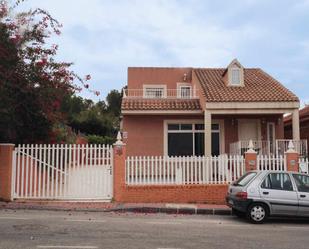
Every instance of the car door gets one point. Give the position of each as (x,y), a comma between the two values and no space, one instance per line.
(302,184)
(277,189)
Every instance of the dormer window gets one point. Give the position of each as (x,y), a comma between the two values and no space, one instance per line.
(235,76)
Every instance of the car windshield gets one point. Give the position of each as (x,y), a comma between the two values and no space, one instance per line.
(245,179)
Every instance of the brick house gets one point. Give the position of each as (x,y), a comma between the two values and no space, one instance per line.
(303,123)
(205,111)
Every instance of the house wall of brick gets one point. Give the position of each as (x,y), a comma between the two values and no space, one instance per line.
(138,76)
(146,132)
(231,132)
(199,91)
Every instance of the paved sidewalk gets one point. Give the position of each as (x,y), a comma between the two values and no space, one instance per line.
(97,206)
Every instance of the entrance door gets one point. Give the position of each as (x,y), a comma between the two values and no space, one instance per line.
(248,129)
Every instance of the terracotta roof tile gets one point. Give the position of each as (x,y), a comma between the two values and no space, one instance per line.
(160,104)
(258,87)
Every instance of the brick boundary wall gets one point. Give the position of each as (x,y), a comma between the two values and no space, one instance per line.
(210,194)
(6,159)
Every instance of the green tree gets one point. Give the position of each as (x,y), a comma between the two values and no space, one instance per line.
(98,120)
(114,99)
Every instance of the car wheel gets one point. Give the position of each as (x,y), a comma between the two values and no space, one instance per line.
(239,214)
(257,213)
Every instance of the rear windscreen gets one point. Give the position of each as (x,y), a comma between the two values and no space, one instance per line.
(245,179)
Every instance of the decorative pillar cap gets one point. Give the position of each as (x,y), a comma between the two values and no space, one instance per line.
(119,140)
(251,147)
(291,147)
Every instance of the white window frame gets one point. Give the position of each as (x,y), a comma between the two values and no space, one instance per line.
(184,85)
(233,69)
(154,86)
(220,122)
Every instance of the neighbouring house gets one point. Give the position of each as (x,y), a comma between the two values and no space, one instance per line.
(304,126)
(205,111)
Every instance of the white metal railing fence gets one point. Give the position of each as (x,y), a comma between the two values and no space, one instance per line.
(300,146)
(265,147)
(271,162)
(57,171)
(163,170)
(160,93)
(304,165)
(262,147)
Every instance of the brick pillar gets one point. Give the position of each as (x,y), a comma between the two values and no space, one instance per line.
(6,159)
(292,158)
(250,158)
(119,151)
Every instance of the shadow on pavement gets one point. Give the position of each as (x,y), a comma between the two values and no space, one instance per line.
(278,220)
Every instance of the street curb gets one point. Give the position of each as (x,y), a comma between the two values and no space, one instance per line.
(188,211)
(123,209)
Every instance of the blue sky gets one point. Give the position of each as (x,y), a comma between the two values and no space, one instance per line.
(103,37)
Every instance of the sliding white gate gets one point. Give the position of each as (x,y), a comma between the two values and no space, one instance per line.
(62,172)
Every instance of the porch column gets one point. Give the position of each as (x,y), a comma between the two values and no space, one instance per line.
(207,125)
(295,124)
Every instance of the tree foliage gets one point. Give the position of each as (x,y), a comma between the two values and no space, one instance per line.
(33,84)
(99,121)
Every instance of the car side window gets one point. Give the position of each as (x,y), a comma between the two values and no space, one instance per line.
(277,181)
(302,182)
(266,183)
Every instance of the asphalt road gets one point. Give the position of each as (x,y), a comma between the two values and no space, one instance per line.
(57,229)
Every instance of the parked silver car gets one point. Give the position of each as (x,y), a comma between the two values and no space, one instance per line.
(259,195)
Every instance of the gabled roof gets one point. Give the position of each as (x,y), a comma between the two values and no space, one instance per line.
(258,87)
(160,104)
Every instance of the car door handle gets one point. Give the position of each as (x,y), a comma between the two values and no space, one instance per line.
(302,196)
(265,193)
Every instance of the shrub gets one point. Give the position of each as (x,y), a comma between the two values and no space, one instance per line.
(94,139)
